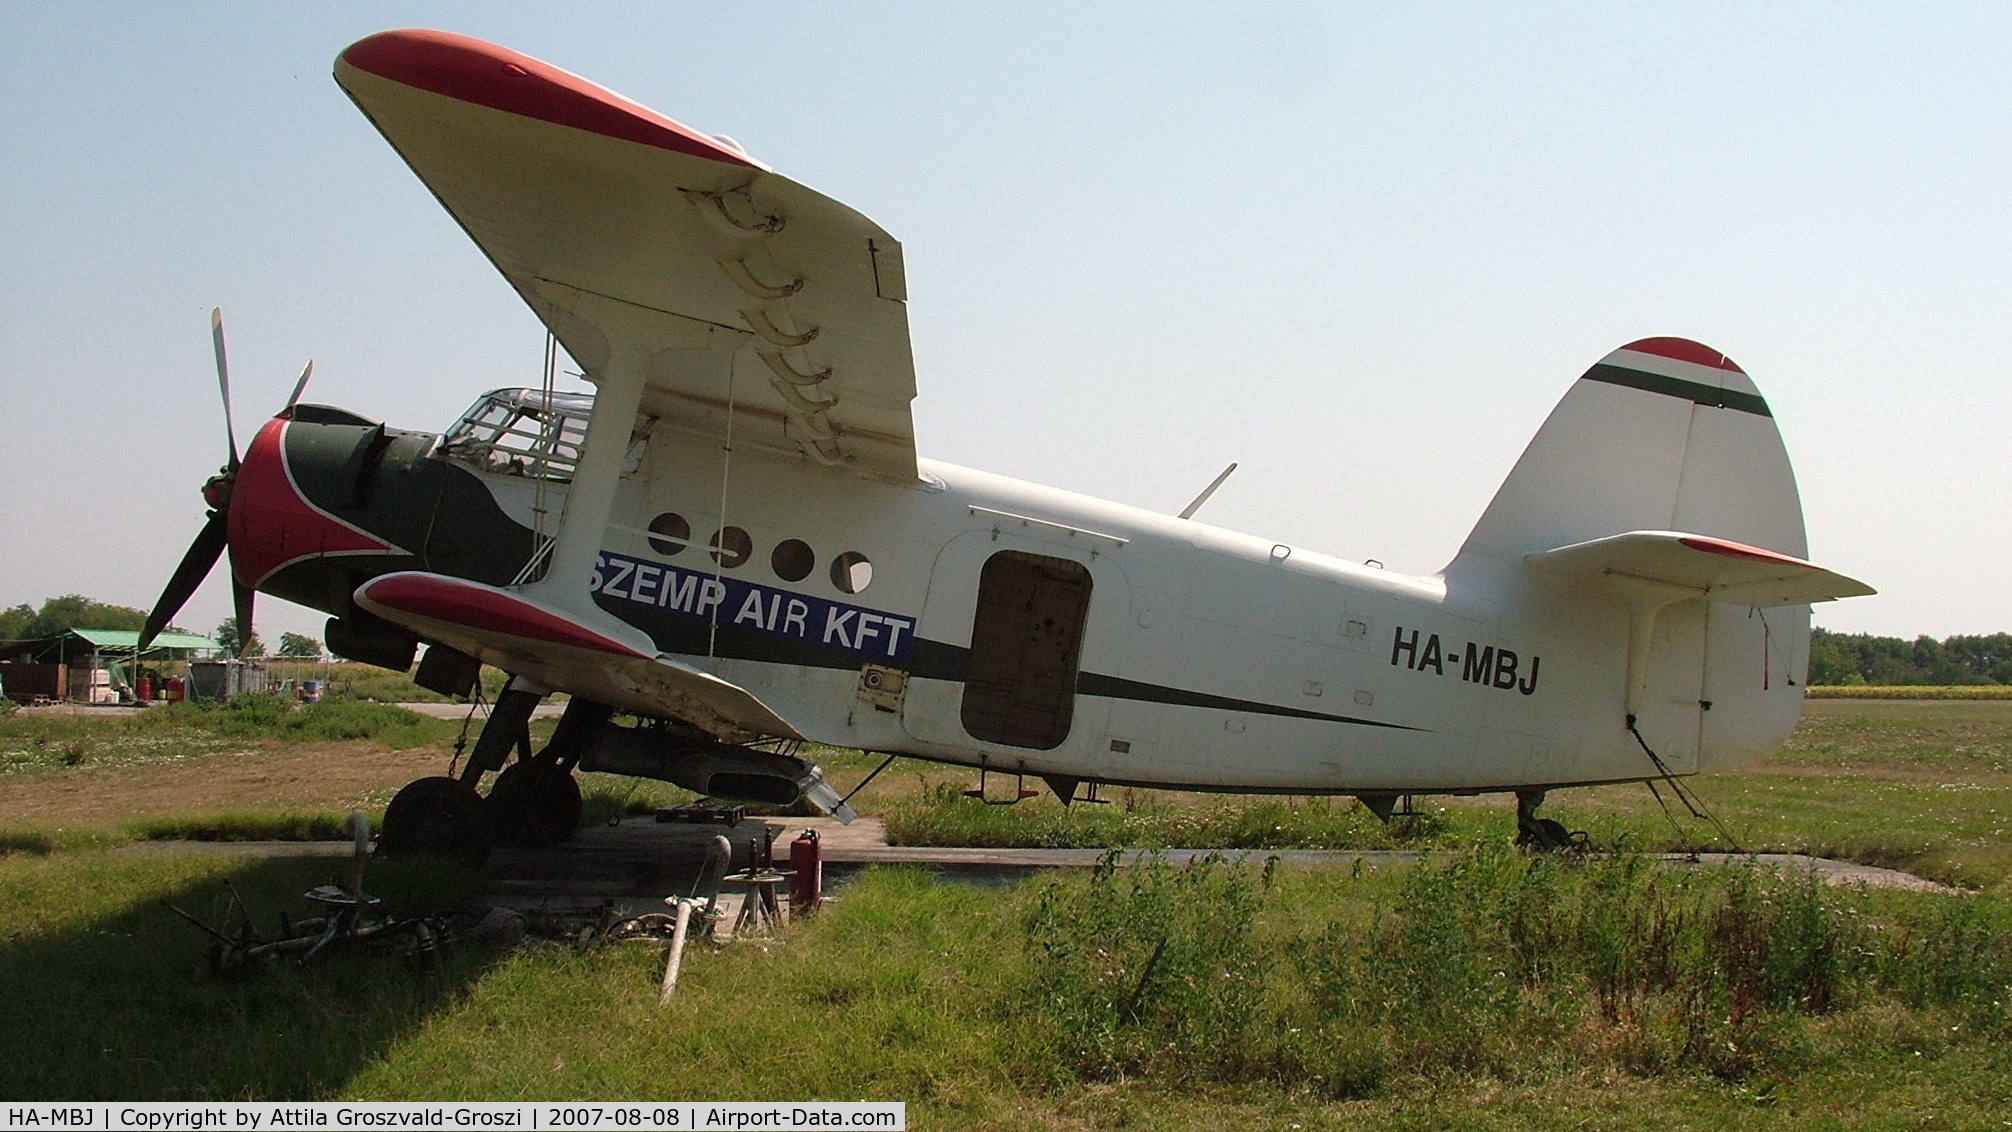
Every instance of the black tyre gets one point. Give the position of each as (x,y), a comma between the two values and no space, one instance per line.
(437,815)
(535,804)
(1546,836)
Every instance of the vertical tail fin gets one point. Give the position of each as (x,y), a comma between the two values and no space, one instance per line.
(1662,434)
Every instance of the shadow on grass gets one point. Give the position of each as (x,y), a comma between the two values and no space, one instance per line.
(40,844)
(121,1006)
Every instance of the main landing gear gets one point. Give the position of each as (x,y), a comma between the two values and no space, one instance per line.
(534,802)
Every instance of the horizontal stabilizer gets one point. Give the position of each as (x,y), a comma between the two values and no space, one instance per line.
(1724,571)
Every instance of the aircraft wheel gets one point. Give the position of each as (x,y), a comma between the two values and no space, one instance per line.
(1544,834)
(437,815)
(535,804)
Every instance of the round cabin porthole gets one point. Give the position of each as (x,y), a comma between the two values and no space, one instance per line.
(669,533)
(851,572)
(792,560)
(731,547)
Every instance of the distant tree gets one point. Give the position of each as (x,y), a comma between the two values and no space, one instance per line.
(1861,658)
(14,622)
(299,647)
(75,611)
(227,636)
(1989,657)
(1829,662)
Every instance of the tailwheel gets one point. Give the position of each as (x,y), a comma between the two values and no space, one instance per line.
(534,803)
(1542,834)
(437,815)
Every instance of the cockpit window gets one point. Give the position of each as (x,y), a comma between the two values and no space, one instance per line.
(519,432)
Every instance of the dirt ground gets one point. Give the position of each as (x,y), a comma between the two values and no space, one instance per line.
(277,776)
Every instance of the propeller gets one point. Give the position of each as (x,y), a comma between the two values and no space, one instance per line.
(306,372)
(224,381)
(214,538)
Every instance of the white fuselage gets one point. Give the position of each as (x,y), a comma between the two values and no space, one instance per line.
(1207,658)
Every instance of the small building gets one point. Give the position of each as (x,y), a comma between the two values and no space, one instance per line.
(223,679)
(88,665)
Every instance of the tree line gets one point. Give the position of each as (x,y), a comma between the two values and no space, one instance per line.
(1861,658)
(75,611)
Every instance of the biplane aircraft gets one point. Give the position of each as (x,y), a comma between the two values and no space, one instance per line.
(731,548)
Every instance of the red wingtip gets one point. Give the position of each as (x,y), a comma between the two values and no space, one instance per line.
(457,601)
(1683,350)
(484,74)
(1731,549)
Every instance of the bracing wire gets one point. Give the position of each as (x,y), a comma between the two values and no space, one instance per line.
(1696,807)
(475,701)
(1770,651)
(720,537)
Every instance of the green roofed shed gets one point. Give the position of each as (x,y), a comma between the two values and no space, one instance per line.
(117,640)
(113,644)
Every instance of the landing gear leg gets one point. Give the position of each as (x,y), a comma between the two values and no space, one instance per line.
(1543,834)
(536,801)
(509,726)
(446,815)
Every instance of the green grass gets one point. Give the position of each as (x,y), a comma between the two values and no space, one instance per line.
(1920,786)
(105,997)
(159,734)
(1495,991)
(285,825)
(1486,989)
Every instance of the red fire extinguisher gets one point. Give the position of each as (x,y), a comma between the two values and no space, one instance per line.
(806,887)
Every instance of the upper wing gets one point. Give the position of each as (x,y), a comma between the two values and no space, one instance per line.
(625,230)
(1721,570)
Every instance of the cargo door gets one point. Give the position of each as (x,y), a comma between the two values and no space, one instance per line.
(1008,627)
(1026,639)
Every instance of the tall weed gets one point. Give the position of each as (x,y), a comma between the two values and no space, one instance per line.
(1147,969)
(1955,953)
(1489,962)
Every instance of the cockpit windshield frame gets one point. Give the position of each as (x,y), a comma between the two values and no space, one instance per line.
(519,432)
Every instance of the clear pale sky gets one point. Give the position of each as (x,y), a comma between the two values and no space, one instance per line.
(1323,240)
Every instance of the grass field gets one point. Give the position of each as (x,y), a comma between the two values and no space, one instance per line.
(1493,990)
(1924,786)
(1500,991)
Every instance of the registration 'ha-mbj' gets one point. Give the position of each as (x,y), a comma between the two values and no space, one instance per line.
(732,548)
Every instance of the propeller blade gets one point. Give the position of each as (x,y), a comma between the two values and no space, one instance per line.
(306,372)
(241,599)
(203,554)
(224,379)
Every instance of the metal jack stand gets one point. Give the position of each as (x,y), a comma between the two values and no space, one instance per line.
(761,911)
